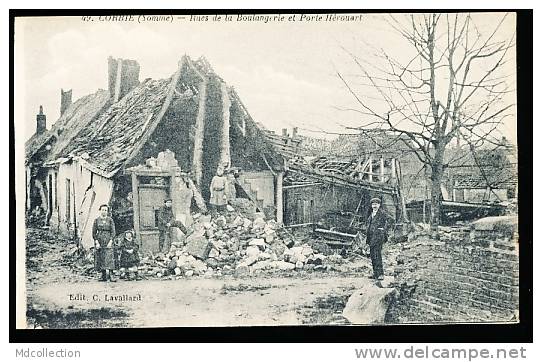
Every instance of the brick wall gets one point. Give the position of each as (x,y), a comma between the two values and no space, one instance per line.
(466,276)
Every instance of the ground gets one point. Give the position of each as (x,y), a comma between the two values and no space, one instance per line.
(63,292)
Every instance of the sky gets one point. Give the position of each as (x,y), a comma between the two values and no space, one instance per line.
(285,72)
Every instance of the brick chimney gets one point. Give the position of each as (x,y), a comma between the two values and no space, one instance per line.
(41,122)
(123,77)
(65,100)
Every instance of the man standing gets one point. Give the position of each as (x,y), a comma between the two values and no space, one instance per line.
(378,224)
(166,220)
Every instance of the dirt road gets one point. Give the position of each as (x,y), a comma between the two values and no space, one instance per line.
(201,302)
(59,297)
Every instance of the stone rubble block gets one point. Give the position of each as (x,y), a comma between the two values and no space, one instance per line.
(260,243)
(252,251)
(198,246)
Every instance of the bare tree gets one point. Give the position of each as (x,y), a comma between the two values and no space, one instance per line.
(448,83)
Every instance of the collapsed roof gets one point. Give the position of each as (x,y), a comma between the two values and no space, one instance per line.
(72,120)
(106,135)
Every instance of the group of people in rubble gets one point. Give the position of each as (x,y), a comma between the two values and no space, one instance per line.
(123,255)
(112,253)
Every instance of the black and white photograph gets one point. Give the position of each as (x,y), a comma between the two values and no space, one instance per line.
(247,169)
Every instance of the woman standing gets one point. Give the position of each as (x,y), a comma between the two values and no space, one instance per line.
(103,233)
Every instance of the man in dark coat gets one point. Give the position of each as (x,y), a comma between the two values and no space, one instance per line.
(378,225)
(166,220)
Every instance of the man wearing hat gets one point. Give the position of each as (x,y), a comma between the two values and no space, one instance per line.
(166,220)
(378,224)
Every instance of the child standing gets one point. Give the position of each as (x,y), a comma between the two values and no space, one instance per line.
(129,257)
(218,199)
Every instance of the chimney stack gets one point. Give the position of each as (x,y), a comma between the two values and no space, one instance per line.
(284,132)
(294,132)
(65,100)
(41,122)
(123,77)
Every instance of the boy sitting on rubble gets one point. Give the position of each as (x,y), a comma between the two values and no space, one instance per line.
(129,257)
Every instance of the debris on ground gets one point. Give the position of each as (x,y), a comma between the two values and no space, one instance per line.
(233,244)
(239,242)
(50,255)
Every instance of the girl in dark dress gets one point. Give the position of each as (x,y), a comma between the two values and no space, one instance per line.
(129,257)
(103,233)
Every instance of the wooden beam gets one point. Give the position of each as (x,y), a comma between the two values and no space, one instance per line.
(299,225)
(332,232)
(357,210)
(399,187)
(135,203)
(279,197)
(370,168)
(302,185)
(381,168)
(225,158)
(197,159)
(393,172)
(344,181)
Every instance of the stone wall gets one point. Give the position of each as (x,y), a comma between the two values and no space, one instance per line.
(469,275)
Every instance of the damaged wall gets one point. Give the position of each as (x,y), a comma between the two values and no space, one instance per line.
(313,203)
(213,133)
(79,194)
(222,118)
(97,194)
(248,143)
(469,276)
(62,218)
(174,132)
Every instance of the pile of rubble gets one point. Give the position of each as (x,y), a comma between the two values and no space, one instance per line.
(233,244)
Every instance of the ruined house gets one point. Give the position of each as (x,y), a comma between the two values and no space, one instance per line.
(376,144)
(44,145)
(473,182)
(100,149)
(331,190)
(488,175)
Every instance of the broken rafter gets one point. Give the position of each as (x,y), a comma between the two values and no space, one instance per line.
(158,118)
(345,181)
(300,185)
(197,160)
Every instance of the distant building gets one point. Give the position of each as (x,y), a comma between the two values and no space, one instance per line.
(490,175)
